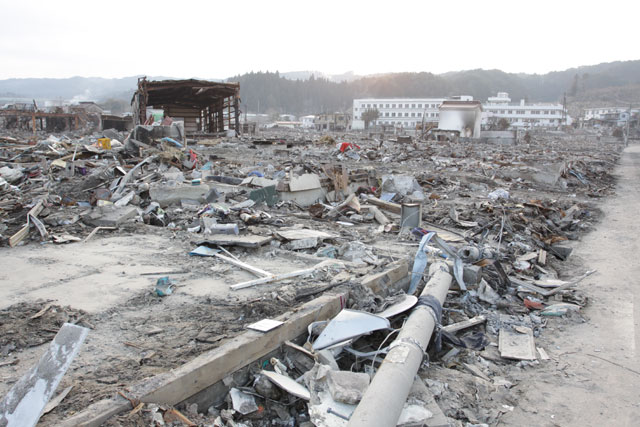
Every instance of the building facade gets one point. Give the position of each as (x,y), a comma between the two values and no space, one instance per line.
(333,121)
(609,116)
(406,113)
(523,115)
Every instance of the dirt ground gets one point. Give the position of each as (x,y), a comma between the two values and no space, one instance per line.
(134,333)
(592,377)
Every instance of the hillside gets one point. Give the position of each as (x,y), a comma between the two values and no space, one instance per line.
(305,92)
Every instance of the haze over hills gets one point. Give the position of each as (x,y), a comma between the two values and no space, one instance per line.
(307,92)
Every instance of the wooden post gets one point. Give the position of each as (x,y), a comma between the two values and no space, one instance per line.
(33,122)
(237,114)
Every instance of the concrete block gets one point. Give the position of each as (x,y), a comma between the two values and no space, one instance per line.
(167,195)
(347,387)
(109,216)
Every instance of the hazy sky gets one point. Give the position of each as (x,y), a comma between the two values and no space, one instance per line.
(214,39)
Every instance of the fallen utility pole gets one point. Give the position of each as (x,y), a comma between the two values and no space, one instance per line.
(383,401)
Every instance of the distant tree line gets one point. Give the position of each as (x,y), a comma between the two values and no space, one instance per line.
(271,93)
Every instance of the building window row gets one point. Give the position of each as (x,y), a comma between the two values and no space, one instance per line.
(406,106)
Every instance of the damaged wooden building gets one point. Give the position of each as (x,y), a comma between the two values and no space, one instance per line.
(205,107)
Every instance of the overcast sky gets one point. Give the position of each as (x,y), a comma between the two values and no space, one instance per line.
(214,39)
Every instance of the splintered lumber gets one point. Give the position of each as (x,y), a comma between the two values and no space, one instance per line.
(455,327)
(251,269)
(125,179)
(26,401)
(387,206)
(24,231)
(552,291)
(95,230)
(19,236)
(178,384)
(336,210)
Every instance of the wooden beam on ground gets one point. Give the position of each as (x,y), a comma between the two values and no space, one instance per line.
(455,327)
(379,283)
(251,269)
(278,277)
(387,206)
(173,387)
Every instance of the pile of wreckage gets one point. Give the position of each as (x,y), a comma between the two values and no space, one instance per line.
(452,243)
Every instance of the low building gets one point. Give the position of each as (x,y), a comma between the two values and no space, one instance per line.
(522,115)
(609,116)
(205,107)
(407,113)
(308,121)
(333,121)
(464,117)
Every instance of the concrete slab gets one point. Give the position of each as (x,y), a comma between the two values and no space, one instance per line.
(166,195)
(109,216)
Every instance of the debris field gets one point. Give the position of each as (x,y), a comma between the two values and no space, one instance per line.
(266,280)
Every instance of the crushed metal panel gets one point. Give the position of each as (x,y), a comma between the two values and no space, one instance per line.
(349,324)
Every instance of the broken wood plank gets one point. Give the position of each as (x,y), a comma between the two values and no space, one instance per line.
(377,214)
(26,400)
(476,371)
(41,312)
(251,269)
(278,277)
(455,327)
(53,403)
(19,236)
(247,241)
(542,256)
(125,179)
(543,354)
(95,230)
(387,206)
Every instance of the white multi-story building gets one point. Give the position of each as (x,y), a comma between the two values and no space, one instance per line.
(400,112)
(522,114)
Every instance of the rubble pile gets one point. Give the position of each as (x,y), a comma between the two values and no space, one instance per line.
(372,214)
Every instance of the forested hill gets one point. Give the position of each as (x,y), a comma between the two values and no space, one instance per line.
(608,83)
(614,83)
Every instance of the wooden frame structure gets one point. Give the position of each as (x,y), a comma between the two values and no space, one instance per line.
(71,120)
(205,107)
